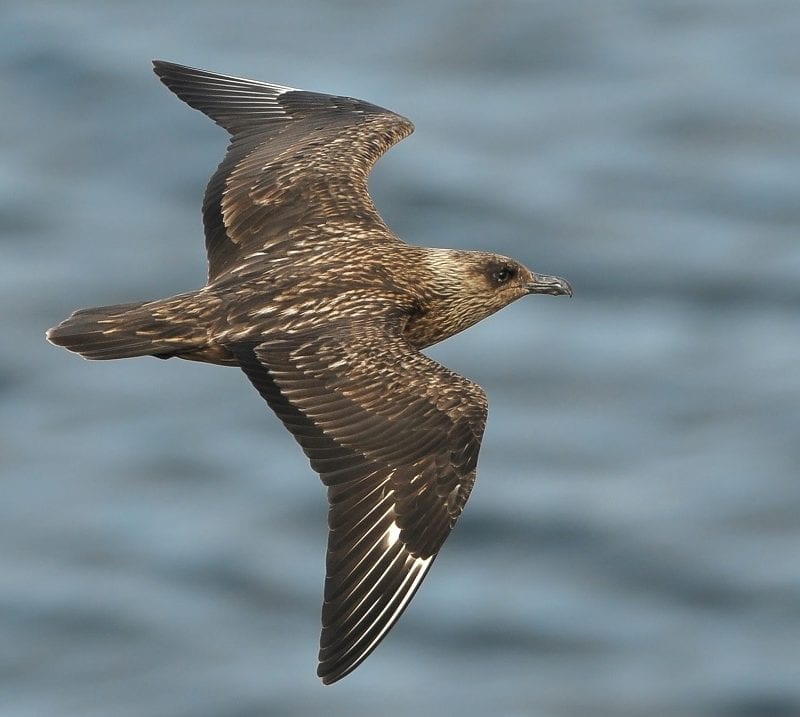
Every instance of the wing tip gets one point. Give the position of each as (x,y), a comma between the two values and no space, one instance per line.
(349,655)
(165,70)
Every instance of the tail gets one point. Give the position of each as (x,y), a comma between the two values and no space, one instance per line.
(147,328)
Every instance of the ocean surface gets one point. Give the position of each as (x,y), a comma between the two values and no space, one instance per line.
(632,546)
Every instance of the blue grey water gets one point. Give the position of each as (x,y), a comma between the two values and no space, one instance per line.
(632,546)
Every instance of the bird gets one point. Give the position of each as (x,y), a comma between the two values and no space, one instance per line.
(327,313)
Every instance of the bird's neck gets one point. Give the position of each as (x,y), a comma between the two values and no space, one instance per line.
(445,299)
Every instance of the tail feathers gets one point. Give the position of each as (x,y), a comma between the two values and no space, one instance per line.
(123,331)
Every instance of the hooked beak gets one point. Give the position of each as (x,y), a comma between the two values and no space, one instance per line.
(553,285)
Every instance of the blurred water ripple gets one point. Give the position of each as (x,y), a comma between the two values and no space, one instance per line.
(631,545)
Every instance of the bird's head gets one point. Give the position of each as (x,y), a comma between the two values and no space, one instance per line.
(471,285)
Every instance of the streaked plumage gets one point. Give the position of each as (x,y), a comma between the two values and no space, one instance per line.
(326,310)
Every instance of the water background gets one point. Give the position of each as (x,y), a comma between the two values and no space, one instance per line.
(632,545)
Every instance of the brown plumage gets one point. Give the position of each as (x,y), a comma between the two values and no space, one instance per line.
(326,310)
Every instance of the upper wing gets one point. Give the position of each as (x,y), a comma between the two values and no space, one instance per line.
(395,437)
(295,158)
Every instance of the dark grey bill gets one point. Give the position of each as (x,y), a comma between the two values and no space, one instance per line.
(553,285)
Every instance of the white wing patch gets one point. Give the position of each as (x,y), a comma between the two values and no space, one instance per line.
(392,535)
(415,572)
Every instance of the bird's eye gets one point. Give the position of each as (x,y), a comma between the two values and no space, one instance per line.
(501,276)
